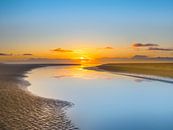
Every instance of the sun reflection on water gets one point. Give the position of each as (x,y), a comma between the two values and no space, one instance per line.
(81,72)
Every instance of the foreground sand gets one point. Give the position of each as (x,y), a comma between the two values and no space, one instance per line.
(20,110)
(155,69)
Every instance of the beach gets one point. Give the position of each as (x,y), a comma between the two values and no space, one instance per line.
(19,109)
(152,69)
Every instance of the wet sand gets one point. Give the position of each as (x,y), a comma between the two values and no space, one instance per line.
(20,110)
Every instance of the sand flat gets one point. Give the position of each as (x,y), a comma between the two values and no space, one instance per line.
(20,110)
(154,69)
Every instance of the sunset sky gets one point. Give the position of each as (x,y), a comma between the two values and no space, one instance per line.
(85,29)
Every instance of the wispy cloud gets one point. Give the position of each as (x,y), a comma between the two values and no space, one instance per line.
(144,45)
(5,54)
(62,50)
(27,54)
(108,47)
(160,49)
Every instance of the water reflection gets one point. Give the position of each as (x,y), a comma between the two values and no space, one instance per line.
(81,73)
(106,101)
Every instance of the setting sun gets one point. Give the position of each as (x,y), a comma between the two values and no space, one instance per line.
(82,58)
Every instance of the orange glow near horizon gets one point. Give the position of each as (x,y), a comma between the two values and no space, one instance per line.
(85,54)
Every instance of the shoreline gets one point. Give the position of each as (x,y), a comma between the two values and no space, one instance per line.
(127,69)
(20,109)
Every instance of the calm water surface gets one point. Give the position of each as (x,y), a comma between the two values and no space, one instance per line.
(106,101)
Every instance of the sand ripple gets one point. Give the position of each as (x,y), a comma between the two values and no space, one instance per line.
(20,110)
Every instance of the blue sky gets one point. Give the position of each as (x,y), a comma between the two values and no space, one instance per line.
(102,22)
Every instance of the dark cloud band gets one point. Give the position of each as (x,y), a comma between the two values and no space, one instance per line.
(160,49)
(144,45)
(5,54)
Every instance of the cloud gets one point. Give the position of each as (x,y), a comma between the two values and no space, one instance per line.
(144,45)
(27,54)
(47,60)
(108,47)
(151,46)
(160,49)
(139,57)
(62,50)
(5,54)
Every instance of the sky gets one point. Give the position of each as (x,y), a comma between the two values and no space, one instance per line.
(85,29)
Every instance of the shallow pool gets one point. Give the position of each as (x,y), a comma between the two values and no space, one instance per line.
(106,101)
